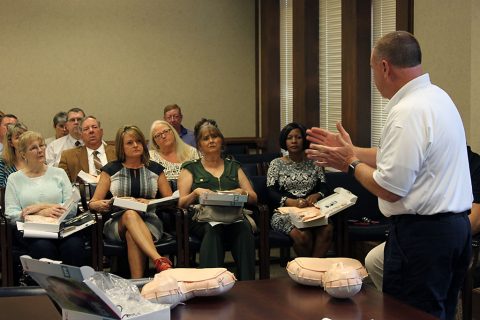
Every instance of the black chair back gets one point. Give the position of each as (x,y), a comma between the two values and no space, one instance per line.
(360,222)
(256,164)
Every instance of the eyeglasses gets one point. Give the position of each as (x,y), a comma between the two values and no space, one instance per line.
(174,117)
(37,147)
(14,125)
(79,119)
(162,133)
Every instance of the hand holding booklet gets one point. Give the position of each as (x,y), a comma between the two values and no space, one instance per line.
(132,203)
(36,226)
(323,209)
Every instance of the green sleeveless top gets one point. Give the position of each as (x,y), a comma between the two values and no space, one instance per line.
(204,179)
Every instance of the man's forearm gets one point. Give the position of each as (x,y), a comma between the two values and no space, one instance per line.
(367,155)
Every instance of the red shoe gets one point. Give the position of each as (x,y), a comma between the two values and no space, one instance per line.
(162,264)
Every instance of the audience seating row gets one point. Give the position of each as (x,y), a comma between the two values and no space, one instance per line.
(181,246)
(173,242)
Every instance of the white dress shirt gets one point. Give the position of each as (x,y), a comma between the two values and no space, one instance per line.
(422,156)
(101,155)
(55,148)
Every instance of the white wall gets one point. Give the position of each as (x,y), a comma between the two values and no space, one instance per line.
(124,60)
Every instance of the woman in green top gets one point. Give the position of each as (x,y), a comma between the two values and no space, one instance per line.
(209,174)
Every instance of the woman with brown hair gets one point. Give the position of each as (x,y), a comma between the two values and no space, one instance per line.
(209,174)
(133,175)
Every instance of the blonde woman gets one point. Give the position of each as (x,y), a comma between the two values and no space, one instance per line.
(10,160)
(169,149)
(38,189)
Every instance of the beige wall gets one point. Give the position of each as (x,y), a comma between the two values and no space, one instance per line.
(449,33)
(124,60)
(474,134)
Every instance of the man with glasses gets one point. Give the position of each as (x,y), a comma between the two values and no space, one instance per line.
(90,157)
(71,140)
(5,120)
(173,115)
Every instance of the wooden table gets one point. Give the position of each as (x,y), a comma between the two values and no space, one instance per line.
(284,299)
(261,299)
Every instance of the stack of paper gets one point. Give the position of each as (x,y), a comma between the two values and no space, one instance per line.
(88,178)
(223,198)
(34,223)
(132,203)
(66,228)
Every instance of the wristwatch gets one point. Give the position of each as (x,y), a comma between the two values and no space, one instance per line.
(352,166)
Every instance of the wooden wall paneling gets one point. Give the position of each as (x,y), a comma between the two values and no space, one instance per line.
(404,15)
(270,73)
(356,39)
(305,62)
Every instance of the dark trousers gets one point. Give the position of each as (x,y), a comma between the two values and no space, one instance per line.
(237,236)
(426,259)
(70,250)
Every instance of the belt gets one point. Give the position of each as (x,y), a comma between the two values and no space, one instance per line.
(419,217)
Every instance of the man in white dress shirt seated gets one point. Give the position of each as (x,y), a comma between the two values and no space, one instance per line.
(71,140)
(90,157)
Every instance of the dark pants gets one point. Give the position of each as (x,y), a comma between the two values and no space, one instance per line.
(426,259)
(238,236)
(70,250)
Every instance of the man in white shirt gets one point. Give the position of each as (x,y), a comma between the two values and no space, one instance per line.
(71,140)
(85,157)
(420,175)
(5,120)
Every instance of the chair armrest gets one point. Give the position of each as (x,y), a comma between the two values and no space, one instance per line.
(179,222)
(7,230)
(5,248)
(83,207)
(176,227)
(97,240)
(475,250)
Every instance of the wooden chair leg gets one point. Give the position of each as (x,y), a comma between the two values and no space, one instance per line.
(264,245)
(284,256)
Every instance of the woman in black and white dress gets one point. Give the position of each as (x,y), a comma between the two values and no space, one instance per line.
(295,181)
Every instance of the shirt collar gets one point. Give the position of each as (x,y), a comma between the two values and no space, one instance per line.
(183,131)
(412,85)
(73,140)
(100,149)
